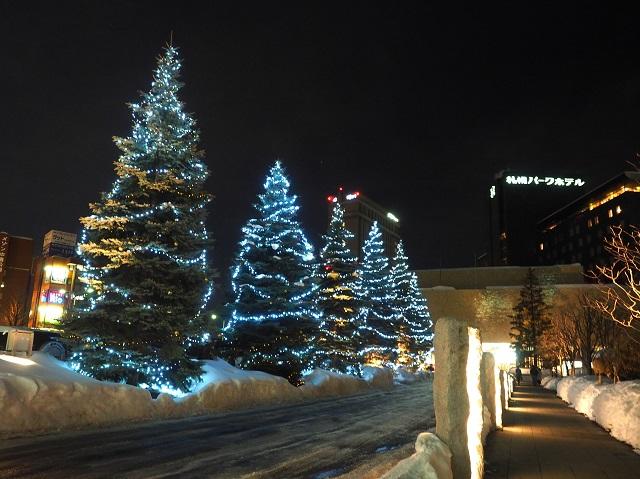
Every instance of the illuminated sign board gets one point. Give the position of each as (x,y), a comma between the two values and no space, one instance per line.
(59,243)
(4,249)
(543,181)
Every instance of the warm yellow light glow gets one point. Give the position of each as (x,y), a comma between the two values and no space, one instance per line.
(541,246)
(475,419)
(618,210)
(16,360)
(503,353)
(57,274)
(498,397)
(613,194)
(50,312)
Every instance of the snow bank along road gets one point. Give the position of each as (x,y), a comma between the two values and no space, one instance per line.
(320,440)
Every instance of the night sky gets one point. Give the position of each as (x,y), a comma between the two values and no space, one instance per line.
(416,105)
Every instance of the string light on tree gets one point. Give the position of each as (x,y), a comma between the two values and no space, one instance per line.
(379,320)
(274,320)
(336,299)
(145,249)
(415,327)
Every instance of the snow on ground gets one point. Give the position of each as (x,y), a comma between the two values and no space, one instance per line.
(39,394)
(616,407)
(550,382)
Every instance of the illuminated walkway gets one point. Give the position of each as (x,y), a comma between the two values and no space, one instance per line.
(543,438)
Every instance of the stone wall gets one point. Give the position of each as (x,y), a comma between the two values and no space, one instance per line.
(489,309)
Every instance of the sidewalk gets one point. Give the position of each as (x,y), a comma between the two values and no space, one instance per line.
(543,438)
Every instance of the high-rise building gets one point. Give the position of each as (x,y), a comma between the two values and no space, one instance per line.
(15,268)
(517,203)
(54,280)
(359,214)
(575,232)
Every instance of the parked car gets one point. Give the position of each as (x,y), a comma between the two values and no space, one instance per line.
(45,340)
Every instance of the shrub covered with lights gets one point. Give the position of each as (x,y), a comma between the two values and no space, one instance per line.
(337,301)
(415,327)
(145,249)
(274,322)
(380,322)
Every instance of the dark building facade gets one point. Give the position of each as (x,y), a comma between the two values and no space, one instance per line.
(359,214)
(517,203)
(15,273)
(575,232)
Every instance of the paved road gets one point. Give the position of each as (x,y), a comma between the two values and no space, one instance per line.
(319,440)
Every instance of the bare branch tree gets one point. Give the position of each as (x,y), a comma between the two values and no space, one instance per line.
(16,314)
(620,300)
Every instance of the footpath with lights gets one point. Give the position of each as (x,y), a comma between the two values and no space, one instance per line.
(543,438)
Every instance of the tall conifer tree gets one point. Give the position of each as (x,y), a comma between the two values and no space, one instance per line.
(336,300)
(145,249)
(380,322)
(274,321)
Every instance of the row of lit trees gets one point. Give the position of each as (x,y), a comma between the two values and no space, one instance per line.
(148,279)
(291,312)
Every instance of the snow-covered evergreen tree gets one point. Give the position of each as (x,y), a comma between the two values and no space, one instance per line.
(415,331)
(336,300)
(380,322)
(274,321)
(145,249)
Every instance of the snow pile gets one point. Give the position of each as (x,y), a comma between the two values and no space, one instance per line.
(377,377)
(432,460)
(225,387)
(41,393)
(321,383)
(404,376)
(616,407)
(550,382)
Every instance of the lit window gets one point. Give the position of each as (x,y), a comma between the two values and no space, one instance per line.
(610,213)
(541,246)
(618,210)
(589,223)
(596,220)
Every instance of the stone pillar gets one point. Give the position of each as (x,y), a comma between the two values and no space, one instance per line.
(457,396)
(488,387)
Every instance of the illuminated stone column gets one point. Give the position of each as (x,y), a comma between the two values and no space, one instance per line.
(504,390)
(457,396)
(491,393)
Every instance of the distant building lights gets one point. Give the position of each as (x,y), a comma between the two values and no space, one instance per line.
(352,196)
(393,217)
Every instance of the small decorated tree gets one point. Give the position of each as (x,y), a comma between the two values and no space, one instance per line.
(336,300)
(274,321)
(145,249)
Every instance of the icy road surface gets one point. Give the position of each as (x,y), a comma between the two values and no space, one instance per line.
(349,437)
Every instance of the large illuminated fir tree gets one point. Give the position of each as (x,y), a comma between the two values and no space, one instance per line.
(415,327)
(336,300)
(380,323)
(145,249)
(274,322)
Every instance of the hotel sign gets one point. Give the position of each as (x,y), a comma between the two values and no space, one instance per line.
(543,181)
(4,249)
